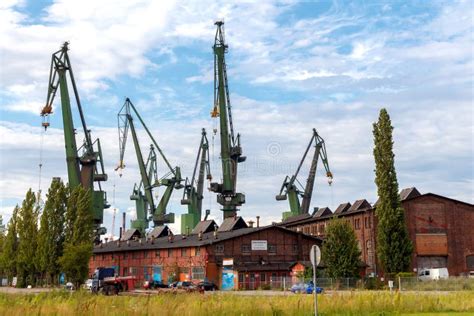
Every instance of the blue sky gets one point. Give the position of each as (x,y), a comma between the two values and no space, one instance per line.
(292,66)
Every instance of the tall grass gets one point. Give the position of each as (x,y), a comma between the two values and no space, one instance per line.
(343,303)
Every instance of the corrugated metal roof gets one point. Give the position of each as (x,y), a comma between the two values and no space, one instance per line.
(180,241)
(324,211)
(296,218)
(232,223)
(159,231)
(344,207)
(204,227)
(360,205)
(130,234)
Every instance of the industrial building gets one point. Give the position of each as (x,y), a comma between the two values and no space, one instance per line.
(441,229)
(233,256)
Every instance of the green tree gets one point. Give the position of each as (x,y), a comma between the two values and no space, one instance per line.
(79,236)
(51,234)
(340,251)
(27,234)
(394,247)
(10,246)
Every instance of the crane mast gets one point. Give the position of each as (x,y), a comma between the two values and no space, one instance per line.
(84,165)
(231,151)
(193,195)
(291,187)
(144,202)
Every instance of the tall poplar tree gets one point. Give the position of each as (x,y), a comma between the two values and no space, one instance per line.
(394,246)
(79,236)
(10,246)
(27,234)
(340,251)
(51,234)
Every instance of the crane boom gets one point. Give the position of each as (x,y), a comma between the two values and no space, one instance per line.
(193,195)
(290,188)
(82,163)
(231,151)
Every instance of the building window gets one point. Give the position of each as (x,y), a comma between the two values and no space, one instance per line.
(272,249)
(197,251)
(183,252)
(125,255)
(470,262)
(93,258)
(125,271)
(321,228)
(157,253)
(112,256)
(135,255)
(133,271)
(245,248)
(103,256)
(170,252)
(274,277)
(198,273)
(219,248)
(241,277)
(145,254)
(263,277)
(295,248)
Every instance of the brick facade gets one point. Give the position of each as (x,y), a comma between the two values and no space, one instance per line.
(441,229)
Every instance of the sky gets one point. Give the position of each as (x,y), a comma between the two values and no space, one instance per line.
(292,66)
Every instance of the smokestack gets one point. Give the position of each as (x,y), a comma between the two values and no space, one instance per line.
(123,221)
(120,233)
(251,223)
(258,221)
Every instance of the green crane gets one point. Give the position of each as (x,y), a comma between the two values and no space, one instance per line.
(84,165)
(231,151)
(291,188)
(144,202)
(193,195)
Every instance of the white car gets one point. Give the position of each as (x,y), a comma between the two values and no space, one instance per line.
(88,284)
(433,274)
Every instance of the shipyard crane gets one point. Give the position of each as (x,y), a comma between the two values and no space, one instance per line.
(292,189)
(193,190)
(231,151)
(143,193)
(84,164)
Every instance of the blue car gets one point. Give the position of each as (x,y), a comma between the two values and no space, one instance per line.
(306,288)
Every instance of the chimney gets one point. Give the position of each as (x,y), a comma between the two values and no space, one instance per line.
(123,221)
(200,235)
(258,221)
(120,233)
(251,223)
(215,234)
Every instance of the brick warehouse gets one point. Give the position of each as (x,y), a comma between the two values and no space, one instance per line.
(441,229)
(232,255)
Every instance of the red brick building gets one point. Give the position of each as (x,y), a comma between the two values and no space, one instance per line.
(441,229)
(233,256)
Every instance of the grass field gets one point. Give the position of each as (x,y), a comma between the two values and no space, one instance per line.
(344,303)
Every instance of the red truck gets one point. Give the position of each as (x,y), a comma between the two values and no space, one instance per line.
(104,280)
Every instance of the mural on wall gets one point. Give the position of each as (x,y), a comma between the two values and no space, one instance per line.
(227,275)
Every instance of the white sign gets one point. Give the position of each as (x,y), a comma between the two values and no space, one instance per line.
(315,255)
(228,262)
(259,245)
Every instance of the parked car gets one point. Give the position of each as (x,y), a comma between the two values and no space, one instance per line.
(88,284)
(433,274)
(207,286)
(69,286)
(306,288)
(183,285)
(152,284)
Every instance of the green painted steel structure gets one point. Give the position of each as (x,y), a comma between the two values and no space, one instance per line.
(291,188)
(193,195)
(231,151)
(85,164)
(142,193)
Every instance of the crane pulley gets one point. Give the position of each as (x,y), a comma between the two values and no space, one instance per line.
(292,189)
(142,193)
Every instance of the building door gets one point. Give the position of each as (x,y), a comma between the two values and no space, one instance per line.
(157,273)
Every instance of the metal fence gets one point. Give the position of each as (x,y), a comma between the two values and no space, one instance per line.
(399,284)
